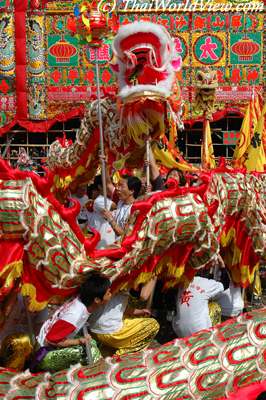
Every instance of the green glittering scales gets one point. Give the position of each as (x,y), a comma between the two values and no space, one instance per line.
(57,360)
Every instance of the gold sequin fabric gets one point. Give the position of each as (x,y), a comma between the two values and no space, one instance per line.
(215,313)
(135,335)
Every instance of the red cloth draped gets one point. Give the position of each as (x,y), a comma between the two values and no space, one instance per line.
(11,251)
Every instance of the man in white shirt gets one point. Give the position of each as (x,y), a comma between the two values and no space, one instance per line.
(192,306)
(121,328)
(128,190)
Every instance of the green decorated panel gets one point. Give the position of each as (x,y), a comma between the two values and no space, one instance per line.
(63,51)
(246,48)
(6,3)
(208,49)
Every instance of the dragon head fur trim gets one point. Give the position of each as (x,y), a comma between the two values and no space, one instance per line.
(145,61)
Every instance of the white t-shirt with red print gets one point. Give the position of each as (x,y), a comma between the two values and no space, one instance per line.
(65,323)
(192,306)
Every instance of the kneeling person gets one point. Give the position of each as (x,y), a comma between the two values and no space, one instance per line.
(60,345)
(122,328)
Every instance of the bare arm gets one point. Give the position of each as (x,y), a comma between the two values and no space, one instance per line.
(148,289)
(153,167)
(108,215)
(118,230)
(73,342)
(135,312)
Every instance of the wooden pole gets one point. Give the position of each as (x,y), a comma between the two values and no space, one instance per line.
(253,286)
(103,167)
(88,347)
(204,144)
(148,164)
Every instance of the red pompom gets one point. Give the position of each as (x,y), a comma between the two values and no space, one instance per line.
(71,24)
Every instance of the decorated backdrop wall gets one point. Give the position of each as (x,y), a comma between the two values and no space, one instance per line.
(45,75)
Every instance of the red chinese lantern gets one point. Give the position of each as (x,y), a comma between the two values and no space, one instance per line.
(245,49)
(62,51)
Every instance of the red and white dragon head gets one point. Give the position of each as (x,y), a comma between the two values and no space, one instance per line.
(145,60)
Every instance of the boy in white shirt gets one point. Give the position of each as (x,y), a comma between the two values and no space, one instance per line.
(96,219)
(121,328)
(193,306)
(60,345)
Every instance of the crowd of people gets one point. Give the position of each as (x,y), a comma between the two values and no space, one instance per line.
(114,322)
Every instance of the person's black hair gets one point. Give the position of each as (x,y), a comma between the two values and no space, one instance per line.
(133,184)
(98,181)
(90,190)
(205,273)
(182,179)
(96,285)
(261,396)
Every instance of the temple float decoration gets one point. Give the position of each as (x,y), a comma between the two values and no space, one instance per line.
(53,88)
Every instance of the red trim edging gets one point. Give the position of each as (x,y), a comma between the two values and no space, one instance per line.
(20,7)
(43,126)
